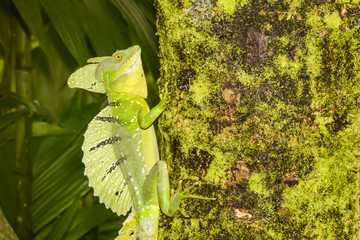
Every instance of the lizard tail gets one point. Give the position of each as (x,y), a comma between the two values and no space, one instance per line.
(128,231)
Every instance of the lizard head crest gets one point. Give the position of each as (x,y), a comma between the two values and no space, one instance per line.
(120,73)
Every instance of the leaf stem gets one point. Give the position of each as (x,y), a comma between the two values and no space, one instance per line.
(23,165)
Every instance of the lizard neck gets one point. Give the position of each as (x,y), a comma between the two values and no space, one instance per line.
(133,82)
(120,96)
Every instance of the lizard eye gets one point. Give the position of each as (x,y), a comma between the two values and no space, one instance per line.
(118,57)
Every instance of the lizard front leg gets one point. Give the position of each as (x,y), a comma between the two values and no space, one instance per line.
(147,117)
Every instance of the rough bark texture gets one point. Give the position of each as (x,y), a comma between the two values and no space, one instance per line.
(264,111)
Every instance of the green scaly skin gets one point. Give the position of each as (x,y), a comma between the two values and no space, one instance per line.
(121,143)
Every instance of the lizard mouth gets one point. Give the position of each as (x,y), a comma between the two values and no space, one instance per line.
(134,60)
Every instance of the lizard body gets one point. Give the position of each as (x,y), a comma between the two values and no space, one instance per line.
(120,148)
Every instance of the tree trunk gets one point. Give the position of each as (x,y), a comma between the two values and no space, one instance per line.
(263,112)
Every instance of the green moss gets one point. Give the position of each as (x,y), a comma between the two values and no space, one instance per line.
(228,6)
(283,139)
(326,202)
(313,60)
(222,161)
(200,90)
(294,6)
(258,184)
(288,67)
(355,2)
(245,78)
(333,20)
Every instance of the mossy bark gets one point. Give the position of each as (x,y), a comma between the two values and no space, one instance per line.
(264,113)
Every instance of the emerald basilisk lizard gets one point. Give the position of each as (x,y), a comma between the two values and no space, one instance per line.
(120,148)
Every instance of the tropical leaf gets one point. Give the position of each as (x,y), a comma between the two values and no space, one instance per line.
(58,171)
(63,35)
(10,118)
(85,221)
(6,231)
(106,29)
(11,100)
(143,31)
(64,16)
(7,182)
(31,13)
(44,129)
(62,226)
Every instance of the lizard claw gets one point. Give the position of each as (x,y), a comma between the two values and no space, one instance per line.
(164,95)
(182,194)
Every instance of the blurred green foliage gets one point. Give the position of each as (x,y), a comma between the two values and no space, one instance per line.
(41,43)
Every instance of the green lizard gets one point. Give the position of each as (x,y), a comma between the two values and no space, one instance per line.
(120,149)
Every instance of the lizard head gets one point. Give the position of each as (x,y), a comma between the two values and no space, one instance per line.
(123,72)
(120,73)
